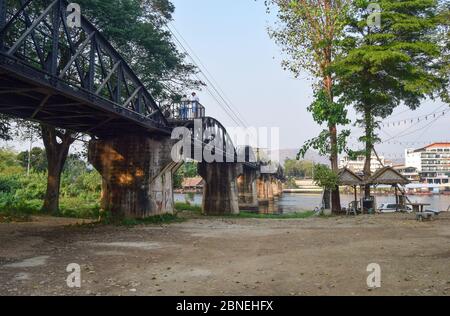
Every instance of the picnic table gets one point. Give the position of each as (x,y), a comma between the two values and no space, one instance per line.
(418,207)
(421,214)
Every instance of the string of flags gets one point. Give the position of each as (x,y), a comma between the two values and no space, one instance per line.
(415,120)
(392,155)
(410,143)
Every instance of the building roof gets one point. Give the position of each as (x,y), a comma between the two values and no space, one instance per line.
(348,177)
(388,175)
(192,182)
(433,145)
(438,145)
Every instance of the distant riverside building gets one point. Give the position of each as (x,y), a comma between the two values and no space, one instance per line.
(357,166)
(410,173)
(432,162)
(193,184)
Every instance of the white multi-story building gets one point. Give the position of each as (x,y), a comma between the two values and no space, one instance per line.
(432,162)
(357,165)
(413,158)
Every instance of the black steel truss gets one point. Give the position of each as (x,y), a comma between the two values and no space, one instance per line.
(68,77)
(215,135)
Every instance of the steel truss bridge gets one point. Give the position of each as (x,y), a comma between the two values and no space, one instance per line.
(73,78)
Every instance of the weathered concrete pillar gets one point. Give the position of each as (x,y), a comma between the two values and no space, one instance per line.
(269,188)
(275,188)
(137,175)
(280,187)
(263,193)
(247,188)
(220,194)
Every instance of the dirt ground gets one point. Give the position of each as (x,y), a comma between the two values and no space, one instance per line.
(204,256)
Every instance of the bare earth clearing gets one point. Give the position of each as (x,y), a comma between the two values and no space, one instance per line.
(213,256)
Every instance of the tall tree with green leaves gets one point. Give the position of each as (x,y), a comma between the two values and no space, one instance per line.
(381,67)
(57,144)
(444,41)
(308,32)
(35,159)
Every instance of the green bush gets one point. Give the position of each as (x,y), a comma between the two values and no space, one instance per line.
(23,194)
(32,187)
(20,192)
(9,184)
(188,207)
(86,185)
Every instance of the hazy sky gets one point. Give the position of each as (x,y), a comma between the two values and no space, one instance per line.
(230,37)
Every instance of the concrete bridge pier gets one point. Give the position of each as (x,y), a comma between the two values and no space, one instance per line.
(263,198)
(275,188)
(220,192)
(137,175)
(280,187)
(247,188)
(270,191)
(265,189)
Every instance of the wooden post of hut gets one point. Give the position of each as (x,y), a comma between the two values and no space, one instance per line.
(349,178)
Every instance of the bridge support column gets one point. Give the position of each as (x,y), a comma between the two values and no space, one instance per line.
(275,188)
(247,188)
(269,186)
(220,194)
(280,187)
(137,175)
(265,194)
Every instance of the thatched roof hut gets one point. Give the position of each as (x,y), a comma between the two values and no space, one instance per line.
(388,176)
(348,177)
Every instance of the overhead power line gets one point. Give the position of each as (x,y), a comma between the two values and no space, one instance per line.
(406,133)
(217,92)
(417,119)
(223,95)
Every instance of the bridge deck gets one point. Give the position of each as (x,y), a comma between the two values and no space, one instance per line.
(33,95)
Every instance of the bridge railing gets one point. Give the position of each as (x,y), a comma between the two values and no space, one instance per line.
(185,111)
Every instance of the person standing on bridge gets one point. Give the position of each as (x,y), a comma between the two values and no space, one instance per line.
(195,104)
(184,107)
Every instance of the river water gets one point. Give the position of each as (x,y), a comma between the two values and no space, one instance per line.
(294,203)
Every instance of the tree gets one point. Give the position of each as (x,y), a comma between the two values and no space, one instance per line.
(381,67)
(298,169)
(325,178)
(57,144)
(8,159)
(188,170)
(308,33)
(5,126)
(37,157)
(443,39)
(75,166)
